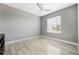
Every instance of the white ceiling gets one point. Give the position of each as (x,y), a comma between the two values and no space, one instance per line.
(34,9)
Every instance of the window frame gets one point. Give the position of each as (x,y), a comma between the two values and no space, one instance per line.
(54,24)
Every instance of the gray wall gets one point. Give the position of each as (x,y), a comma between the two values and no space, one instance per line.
(18,24)
(78,28)
(69,25)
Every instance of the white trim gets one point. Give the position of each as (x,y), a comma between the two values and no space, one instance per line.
(23,39)
(60,40)
(47,37)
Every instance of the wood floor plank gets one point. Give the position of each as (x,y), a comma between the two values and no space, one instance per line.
(40,46)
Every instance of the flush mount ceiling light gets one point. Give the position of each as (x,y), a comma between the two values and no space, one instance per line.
(43,6)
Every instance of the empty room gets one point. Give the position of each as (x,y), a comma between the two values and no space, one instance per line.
(38,29)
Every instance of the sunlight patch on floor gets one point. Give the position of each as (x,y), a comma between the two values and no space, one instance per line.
(53,50)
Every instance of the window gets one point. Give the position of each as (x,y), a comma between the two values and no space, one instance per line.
(54,25)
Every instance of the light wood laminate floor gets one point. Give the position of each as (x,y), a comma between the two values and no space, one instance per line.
(40,46)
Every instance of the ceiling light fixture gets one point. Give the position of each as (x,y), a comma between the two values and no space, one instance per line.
(42,7)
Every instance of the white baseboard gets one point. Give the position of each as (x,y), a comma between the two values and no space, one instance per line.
(23,39)
(43,37)
(60,40)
